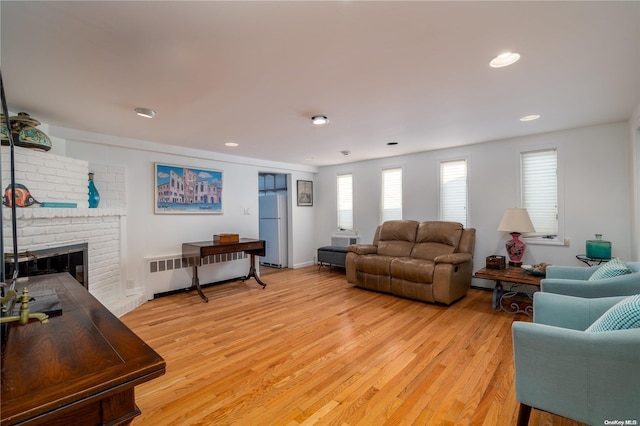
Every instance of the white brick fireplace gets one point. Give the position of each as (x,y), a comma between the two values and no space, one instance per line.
(51,177)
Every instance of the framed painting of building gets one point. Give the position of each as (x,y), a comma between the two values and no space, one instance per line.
(305,193)
(187,190)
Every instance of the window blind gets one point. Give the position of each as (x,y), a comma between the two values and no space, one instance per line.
(539,170)
(391,194)
(453,191)
(345,201)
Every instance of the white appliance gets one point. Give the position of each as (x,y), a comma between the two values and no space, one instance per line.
(273,229)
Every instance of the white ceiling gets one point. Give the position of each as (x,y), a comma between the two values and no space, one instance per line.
(415,72)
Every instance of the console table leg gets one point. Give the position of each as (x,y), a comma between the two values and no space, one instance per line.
(195,284)
(252,271)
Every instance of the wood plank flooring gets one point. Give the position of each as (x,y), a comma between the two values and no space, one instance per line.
(311,349)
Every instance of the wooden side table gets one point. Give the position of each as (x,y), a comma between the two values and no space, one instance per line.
(517,278)
(80,368)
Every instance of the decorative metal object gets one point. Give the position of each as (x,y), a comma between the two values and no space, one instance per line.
(24,316)
(23,197)
(25,134)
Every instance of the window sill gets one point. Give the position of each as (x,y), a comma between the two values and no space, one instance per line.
(546,241)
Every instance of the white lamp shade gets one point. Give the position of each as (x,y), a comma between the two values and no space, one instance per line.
(516,220)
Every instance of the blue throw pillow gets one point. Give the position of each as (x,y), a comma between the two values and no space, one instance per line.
(611,269)
(623,315)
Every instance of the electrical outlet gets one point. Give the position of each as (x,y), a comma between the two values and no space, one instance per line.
(130,284)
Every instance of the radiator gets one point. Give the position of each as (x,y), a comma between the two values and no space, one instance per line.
(169,273)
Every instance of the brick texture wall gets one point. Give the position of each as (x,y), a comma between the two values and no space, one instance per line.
(52,177)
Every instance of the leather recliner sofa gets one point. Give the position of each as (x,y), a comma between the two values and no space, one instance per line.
(429,261)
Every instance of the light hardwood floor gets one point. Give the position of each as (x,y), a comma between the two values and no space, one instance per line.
(312,349)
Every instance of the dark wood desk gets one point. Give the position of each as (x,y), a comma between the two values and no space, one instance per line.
(194,252)
(78,369)
(511,274)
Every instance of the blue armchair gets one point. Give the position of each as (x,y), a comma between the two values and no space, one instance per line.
(564,370)
(573,281)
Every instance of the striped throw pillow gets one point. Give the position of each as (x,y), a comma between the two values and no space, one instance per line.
(611,269)
(621,316)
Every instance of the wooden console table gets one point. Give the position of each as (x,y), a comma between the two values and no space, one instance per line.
(514,275)
(80,368)
(194,252)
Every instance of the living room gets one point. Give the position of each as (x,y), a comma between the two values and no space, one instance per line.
(598,159)
(596,166)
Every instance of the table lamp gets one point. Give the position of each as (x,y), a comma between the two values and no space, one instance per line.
(516,221)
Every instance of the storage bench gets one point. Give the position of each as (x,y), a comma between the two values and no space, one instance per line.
(332,255)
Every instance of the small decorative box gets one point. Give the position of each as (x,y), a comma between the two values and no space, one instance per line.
(226,238)
(495,262)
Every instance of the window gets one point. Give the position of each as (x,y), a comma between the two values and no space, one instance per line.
(391,194)
(539,180)
(345,201)
(453,191)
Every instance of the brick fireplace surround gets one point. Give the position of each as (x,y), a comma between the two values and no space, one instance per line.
(51,177)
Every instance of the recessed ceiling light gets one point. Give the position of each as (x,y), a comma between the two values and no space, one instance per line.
(345,153)
(145,112)
(392,143)
(504,59)
(231,144)
(530,117)
(308,158)
(319,120)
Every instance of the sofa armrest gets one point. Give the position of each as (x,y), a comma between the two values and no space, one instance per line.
(454,258)
(570,312)
(566,372)
(570,272)
(362,249)
(624,285)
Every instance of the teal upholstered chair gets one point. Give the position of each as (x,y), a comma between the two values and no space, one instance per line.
(562,369)
(574,281)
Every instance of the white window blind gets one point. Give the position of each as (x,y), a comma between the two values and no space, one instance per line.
(391,194)
(345,201)
(453,191)
(539,170)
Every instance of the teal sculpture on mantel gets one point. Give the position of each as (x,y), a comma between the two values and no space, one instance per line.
(94,195)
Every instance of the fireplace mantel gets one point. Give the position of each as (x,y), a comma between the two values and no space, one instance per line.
(52,177)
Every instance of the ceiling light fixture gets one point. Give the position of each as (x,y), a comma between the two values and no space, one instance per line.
(145,112)
(319,120)
(231,144)
(504,59)
(392,143)
(530,117)
(345,153)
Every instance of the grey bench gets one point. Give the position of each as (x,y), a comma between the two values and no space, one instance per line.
(332,255)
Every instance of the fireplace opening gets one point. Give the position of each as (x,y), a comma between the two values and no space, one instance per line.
(72,259)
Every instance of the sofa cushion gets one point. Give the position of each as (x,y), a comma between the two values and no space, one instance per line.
(373,264)
(436,238)
(397,237)
(412,269)
(447,233)
(611,269)
(622,316)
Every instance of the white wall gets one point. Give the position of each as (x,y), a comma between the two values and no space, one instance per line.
(634,131)
(595,193)
(149,234)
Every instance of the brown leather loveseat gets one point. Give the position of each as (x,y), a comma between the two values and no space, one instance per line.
(430,261)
